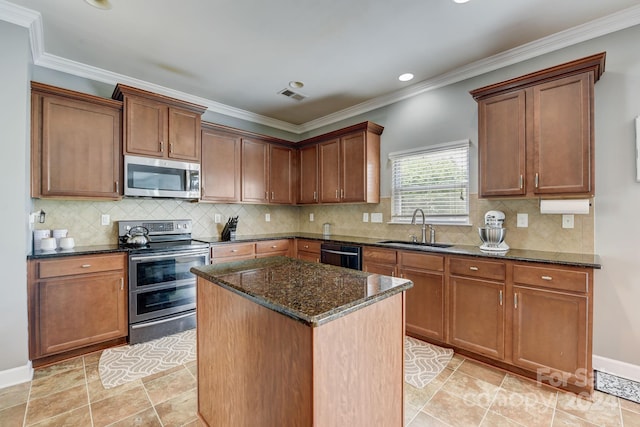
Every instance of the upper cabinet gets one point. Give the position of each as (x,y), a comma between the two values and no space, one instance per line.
(159,126)
(267,172)
(220,166)
(535,132)
(347,167)
(76,145)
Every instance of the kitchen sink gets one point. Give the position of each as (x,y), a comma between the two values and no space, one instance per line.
(404,242)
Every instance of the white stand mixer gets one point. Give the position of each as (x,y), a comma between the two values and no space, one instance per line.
(492,234)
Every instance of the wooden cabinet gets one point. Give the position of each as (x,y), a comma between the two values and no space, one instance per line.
(220,168)
(379,261)
(552,323)
(159,126)
(273,248)
(347,168)
(535,132)
(308,250)
(76,145)
(425,302)
(267,172)
(476,306)
(308,175)
(226,252)
(76,302)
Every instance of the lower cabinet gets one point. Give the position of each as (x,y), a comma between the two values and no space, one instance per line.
(425,301)
(76,302)
(226,252)
(308,250)
(379,261)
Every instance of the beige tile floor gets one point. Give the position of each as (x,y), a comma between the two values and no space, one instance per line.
(466,393)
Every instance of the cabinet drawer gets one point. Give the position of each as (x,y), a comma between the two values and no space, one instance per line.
(312,246)
(233,250)
(421,261)
(69,266)
(556,278)
(381,256)
(477,268)
(272,246)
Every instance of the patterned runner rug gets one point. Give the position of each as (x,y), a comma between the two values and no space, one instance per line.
(423,361)
(120,365)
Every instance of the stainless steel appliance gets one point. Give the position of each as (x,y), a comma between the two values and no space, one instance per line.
(349,256)
(493,233)
(149,177)
(162,290)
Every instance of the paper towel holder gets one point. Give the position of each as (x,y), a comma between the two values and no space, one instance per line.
(564,206)
(638,149)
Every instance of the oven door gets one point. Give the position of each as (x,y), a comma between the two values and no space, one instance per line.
(161,284)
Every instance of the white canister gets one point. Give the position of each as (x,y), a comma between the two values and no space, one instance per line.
(59,234)
(48,244)
(67,243)
(38,235)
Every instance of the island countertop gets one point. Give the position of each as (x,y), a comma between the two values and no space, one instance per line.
(308,292)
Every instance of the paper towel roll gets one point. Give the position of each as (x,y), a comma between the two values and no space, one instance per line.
(566,206)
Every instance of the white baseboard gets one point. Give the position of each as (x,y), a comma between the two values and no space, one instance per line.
(617,368)
(18,375)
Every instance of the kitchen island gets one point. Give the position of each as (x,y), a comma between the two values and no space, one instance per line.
(291,343)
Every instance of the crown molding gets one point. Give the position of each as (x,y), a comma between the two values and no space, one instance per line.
(33,21)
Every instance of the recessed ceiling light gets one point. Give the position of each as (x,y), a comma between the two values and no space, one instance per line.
(295,84)
(405,77)
(100,4)
(460,1)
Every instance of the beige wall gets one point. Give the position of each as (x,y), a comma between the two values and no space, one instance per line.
(545,233)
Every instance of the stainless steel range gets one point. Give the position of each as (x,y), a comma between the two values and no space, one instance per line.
(162,290)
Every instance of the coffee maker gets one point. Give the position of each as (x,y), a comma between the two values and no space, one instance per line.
(493,233)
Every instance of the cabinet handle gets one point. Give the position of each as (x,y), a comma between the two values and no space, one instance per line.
(500,296)
(161,146)
(273,195)
(515,300)
(86,265)
(546,278)
(474,268)
(274,246)
(342,193)
(315,195)
(171,147)
(117,187)
(306,246)
(336,193)
(521,182)
(234,250)
(121,283)
(537,180)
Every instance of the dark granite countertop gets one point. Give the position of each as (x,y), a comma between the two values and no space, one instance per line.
(78,250)
(545,257)
(311,293)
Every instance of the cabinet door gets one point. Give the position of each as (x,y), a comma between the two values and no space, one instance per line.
(377,268)
(550,333)
(477,316)
(220,171)
(501,144)
(424,303)
(353,172)
(76,312)
(81,149)
(329,161)
(184,135)
(146,130)
(562,135)
(254,171)
(281,169)
(308,175)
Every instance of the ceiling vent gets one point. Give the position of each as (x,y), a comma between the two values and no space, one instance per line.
(291,94)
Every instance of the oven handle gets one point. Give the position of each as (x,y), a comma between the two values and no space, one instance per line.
(169,255)
(158,322)
(330,251)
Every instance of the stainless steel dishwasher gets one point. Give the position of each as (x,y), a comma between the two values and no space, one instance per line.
(349,256)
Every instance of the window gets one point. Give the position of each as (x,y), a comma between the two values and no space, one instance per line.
(435,179)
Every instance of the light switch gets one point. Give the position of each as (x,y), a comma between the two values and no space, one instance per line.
(376,217)
(105,219)
(365,217)
(522,220)
(567,221)
(217,218)
(311,218)
(267,217)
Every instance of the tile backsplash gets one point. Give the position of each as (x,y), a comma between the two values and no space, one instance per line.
(545,232)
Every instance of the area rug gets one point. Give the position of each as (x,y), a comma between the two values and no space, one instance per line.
(423,361)
(120,365)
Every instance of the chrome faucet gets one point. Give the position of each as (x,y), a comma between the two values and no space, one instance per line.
(432,231)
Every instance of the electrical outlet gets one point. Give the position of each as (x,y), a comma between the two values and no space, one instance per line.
(267,217)
(217,218)
(567,221)
(376,217)
(105,219)
(365,217)
(522,220)
(311,218)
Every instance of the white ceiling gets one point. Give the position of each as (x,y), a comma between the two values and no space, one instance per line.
(235,56)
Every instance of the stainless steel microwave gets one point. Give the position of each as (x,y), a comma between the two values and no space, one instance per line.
(149,177)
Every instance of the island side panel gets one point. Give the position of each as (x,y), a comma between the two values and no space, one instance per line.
(254,365)
(359,367)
